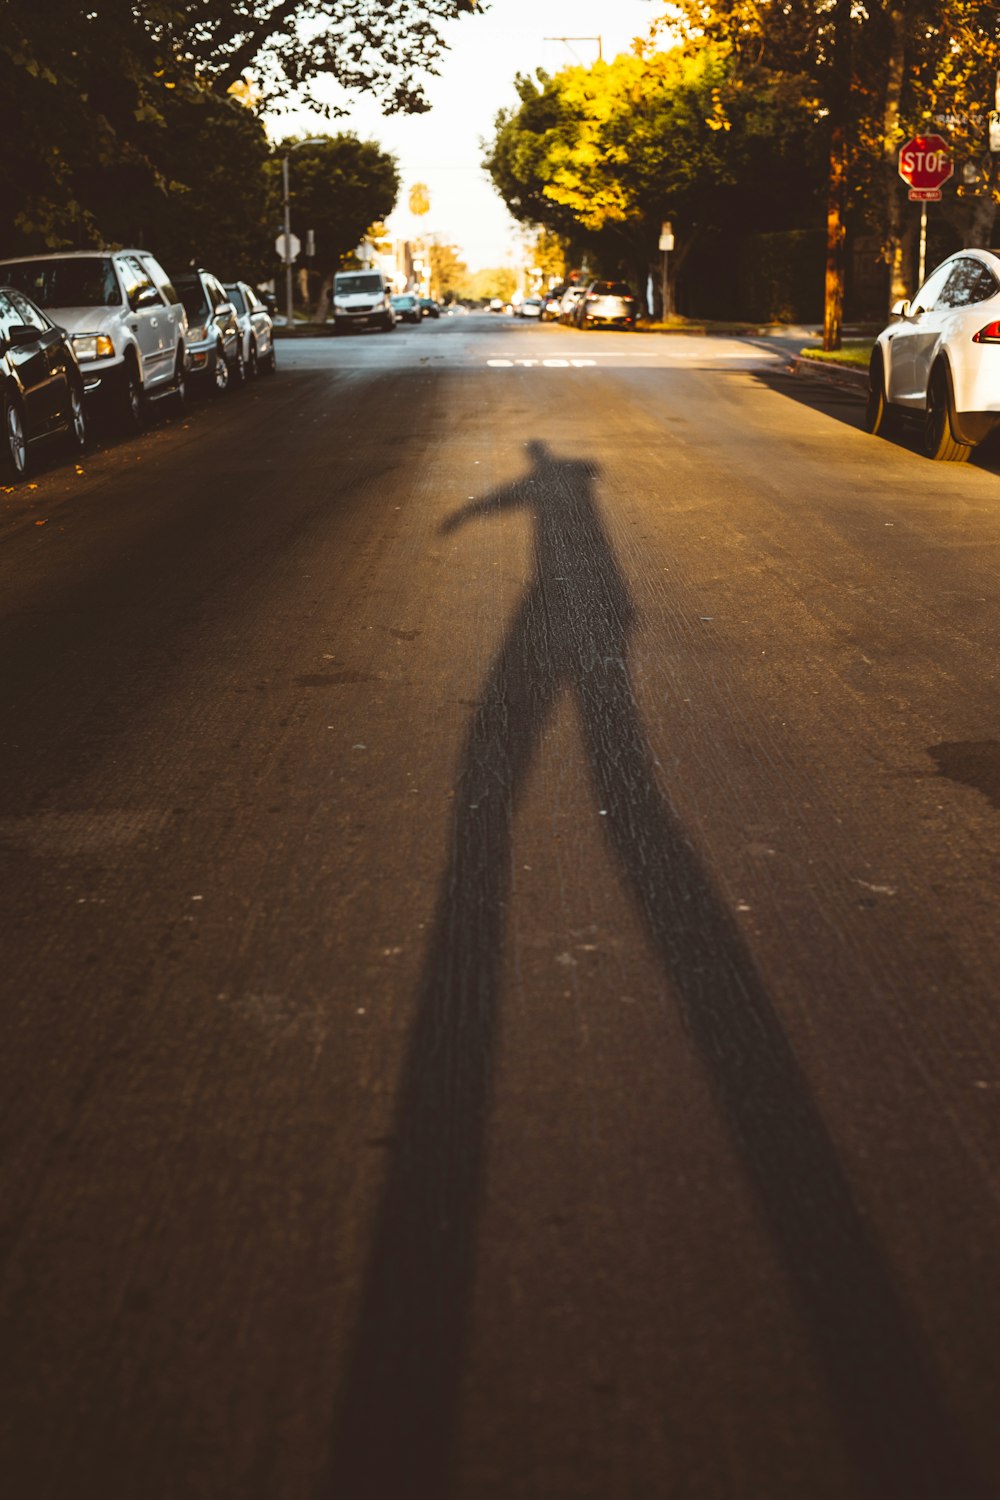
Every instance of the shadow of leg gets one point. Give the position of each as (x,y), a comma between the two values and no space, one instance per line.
(395,1428)
(903,1440)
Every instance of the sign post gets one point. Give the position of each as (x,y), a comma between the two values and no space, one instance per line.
(666,245)
(925,165)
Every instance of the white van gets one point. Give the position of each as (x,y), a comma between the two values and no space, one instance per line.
(361,299)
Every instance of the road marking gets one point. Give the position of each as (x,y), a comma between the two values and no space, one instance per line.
(549,364)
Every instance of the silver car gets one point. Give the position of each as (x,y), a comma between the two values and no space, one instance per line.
(124,317)
(256,328)
(606,304)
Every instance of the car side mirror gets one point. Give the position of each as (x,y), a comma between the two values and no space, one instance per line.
(901,309)
(21,334)
(146,296)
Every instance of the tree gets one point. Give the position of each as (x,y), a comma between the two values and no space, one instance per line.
(448,273)
(339,188)
(880,71)
(601,156)
(287,45)
(97,98)
(495,281)
(419,202)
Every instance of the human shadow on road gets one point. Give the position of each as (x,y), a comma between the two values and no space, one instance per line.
(396,1425)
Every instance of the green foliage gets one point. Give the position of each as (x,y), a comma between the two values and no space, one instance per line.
(495,281)
(338,188)
(449,274)
(602,155)
(121,118)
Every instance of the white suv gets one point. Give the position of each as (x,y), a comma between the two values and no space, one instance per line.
(940,358)
(127,325)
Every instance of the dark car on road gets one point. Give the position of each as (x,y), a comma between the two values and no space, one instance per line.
(41,388)
(215,343)
(429,307)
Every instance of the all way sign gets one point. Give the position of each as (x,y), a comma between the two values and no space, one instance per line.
(925,165)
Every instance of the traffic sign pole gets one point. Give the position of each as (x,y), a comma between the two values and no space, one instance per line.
(925,165)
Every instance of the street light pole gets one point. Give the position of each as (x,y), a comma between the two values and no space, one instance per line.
(314,140)
(288,241)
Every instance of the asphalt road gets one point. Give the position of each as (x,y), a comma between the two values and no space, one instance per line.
(499,846)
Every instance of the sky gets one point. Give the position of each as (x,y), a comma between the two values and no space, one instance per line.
(441,148)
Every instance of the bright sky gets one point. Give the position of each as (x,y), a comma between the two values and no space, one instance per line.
(441,148)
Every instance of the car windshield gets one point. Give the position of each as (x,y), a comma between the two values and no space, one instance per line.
(237,298)
(345,284)
(610,289)
(192,298)
(79,282)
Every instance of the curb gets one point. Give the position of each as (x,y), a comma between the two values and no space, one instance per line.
(844,376)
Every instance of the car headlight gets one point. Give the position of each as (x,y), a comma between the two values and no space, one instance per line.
(198,334)
(93,346)
(339,306)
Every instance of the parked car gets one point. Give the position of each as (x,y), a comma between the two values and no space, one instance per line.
(606,304)
(531,307)
(552,304)
(496,305)
(362,299)
(407,308)
(215,344)
(939,357)
(124,317)
(256,328)
(429,308)
(567,306)
(41,385)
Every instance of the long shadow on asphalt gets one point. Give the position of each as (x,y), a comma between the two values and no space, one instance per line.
(396,1425)
(848,406)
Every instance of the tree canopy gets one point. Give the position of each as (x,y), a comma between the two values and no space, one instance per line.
(601,156)
(127,119)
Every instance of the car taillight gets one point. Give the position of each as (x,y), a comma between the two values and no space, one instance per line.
(593,297)
(988,335)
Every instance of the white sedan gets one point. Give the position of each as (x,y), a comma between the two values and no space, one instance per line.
(940,357)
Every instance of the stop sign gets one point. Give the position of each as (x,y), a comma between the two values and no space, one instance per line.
(924,162)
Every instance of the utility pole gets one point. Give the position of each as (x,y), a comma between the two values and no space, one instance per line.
(568,39)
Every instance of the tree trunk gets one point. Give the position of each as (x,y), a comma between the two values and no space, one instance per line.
(838,99)
(833,298)
(323,300)
(892,136)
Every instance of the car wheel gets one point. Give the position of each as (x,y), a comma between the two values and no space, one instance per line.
(878,412)
(938,442)
(77,426)
(179,400)
(132,407)
(220,372)
(15,438)
(253,366)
